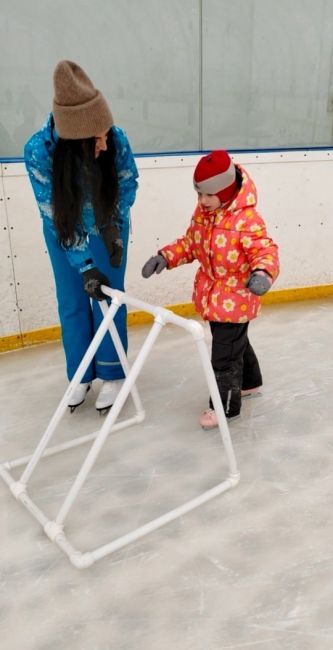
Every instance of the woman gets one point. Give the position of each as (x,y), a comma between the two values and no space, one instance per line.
(83,175)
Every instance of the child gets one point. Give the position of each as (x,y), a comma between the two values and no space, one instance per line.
(238,263)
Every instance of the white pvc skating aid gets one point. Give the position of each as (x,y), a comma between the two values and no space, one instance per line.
(54,529)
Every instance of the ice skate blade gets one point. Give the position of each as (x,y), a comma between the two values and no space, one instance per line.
(73,408)
(104,410)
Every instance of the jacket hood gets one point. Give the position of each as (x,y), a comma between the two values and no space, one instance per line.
(247,195)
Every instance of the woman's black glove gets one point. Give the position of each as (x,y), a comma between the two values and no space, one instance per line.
(155,264)
(93,280)
(113,243)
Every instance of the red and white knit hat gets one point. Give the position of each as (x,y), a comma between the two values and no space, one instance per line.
(215,173)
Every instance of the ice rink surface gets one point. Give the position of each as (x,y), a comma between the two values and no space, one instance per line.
(252,569)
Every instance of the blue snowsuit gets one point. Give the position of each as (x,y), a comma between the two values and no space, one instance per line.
(79,317)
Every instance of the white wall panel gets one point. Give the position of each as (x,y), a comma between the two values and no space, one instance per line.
(33,276)
(294,199)
(295,202)
(161,213)
(9,319)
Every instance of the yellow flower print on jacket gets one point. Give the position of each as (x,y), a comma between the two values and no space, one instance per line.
(250,198)
(220,241)
(233,256)
(221,271)
(229,305)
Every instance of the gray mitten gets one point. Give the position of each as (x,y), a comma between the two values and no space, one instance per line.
(259,283)
(93,280)
(113,243)
(155,264)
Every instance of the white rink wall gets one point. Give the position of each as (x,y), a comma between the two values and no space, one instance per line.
(294,189)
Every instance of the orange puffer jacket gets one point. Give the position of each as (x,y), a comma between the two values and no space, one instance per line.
(229,244)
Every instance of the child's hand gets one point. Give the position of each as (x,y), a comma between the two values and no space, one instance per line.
(155,264)
(259,283)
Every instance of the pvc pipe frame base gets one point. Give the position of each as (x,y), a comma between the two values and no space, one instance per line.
(55,529)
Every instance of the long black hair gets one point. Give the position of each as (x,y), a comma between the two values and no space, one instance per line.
(79,177)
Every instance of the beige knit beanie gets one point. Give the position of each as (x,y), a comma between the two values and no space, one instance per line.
(79,109)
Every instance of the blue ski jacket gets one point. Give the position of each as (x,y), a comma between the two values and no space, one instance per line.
(38,156)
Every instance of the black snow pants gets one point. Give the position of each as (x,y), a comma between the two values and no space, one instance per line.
(235,364)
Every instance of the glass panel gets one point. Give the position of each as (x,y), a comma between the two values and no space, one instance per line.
(266,79)
(267,73)
(143,55)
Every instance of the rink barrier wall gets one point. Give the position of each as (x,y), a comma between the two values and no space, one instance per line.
(49,334)
(294,189)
